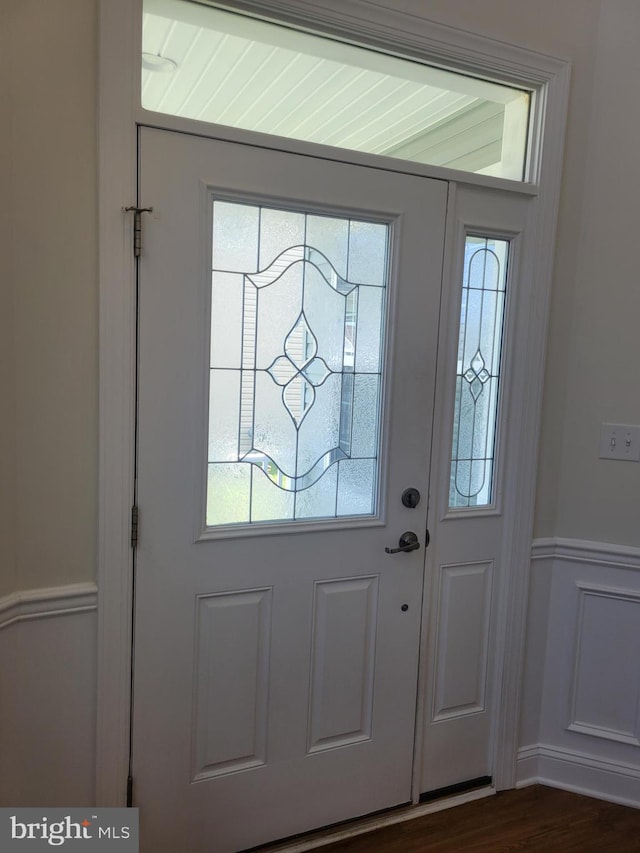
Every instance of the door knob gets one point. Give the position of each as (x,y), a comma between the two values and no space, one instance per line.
(407,542)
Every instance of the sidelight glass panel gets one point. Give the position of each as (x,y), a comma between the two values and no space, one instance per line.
(296,359)
(478,371)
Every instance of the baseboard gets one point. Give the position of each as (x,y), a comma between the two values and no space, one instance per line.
(48,601)
(527,770)
(582,773)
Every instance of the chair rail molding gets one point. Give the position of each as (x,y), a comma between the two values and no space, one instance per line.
(50,601)
(586,551)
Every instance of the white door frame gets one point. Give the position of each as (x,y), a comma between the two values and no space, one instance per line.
(119,113)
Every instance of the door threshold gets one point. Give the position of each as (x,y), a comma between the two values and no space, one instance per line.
(360,826)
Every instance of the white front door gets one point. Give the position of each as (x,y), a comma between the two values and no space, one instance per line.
(285,404)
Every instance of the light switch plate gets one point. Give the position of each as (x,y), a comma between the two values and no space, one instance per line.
(620,441)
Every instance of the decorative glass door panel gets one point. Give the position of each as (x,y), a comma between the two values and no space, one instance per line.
(478,371)
(297,336)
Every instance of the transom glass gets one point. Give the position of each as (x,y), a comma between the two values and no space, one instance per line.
(214,65)
(298,305)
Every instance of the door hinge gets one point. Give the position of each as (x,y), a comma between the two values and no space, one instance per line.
(134,526)
(137,227)
(129,791)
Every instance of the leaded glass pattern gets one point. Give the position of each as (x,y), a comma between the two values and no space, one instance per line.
(297,323)
(478,371)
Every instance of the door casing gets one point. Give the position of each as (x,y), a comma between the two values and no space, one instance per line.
(119,113)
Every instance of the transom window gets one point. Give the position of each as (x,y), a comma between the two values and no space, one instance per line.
(204,63)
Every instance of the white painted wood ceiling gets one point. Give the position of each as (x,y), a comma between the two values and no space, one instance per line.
(238,71)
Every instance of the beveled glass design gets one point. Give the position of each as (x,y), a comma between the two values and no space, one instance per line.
(297,327)
(478,371)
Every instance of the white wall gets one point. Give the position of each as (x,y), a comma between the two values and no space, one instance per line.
(598,371)
(48,363)
(7,366)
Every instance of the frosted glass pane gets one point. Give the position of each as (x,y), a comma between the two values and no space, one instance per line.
(478,371)
(346,412)
(279,230)
(320,429)
(268,501)
(224,408)
(279,307)
(319,501)
(466,411)
(226,319)
(325,312)
(368,253)
(471,481)
(368,345)
(274,431)
(356,487)
(364,440)
(228,494)
(235,237)
(331,237)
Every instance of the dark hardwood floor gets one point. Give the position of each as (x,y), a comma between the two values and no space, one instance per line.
(534,819)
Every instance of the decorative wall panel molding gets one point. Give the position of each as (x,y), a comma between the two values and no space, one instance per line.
(48,601)
(48,696)
(606,677)
(584,627)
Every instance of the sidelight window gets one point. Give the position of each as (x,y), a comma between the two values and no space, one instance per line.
(478,371)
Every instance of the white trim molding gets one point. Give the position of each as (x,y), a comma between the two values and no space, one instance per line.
(585,551)
(580,772)
(50,601)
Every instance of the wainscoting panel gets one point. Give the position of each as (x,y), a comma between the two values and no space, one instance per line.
(47,697)
(588,713)
(606,678)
